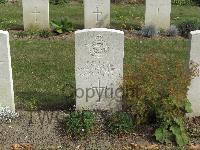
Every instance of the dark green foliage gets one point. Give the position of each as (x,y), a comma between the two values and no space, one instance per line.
(119,123)
(173,130)
(45,33)
(22,34)
(197,2)
(182,2)
(62,25)
(80,123)
(156,92)
(58,2)
(187,26)
(149,31)
(3,1)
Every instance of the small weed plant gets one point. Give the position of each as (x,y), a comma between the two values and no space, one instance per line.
(62,26)
(80,123)
(119,122)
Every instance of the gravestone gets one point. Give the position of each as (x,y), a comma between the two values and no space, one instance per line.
(99,69)
(6,81)
(158,13)
(96,13)
(36,14)
(194,89)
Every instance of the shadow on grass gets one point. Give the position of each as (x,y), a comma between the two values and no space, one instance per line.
(44,101)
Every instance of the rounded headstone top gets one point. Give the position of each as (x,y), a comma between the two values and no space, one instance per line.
(3,32)
(99,30)
(195,32)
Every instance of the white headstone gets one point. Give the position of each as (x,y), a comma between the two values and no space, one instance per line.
(36,14)
(194,89)
(99,69)
(158,13)
(96,13)
(6,81)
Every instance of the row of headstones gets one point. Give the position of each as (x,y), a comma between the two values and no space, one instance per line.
(99,55)
(96,13)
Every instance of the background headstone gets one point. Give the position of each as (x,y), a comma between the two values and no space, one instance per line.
(6,81)
(99,69)
(194,89)
(158,13)
(36,14)
(96,13)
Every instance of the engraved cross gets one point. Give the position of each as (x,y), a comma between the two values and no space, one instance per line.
(98,13)
(99,90)
(36,13)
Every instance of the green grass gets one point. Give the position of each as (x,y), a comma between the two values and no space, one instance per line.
(42,68)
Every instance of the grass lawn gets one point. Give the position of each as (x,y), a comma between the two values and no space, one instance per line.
(42,69)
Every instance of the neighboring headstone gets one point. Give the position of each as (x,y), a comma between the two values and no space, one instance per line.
(6,81)
(194,89)
(158,13)
(36,14)
(99,69)
(96,13)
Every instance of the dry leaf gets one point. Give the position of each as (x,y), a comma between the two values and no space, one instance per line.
(194,147)
(139,147)
(22,147)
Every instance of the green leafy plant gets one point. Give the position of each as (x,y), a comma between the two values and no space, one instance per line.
(80,123)
(61,26)
(172,124)
(187,26)
(155,92)
(119,123)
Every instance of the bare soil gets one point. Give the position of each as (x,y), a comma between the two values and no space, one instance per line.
(45,130)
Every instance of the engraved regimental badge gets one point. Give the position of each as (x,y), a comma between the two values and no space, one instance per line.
(99,47)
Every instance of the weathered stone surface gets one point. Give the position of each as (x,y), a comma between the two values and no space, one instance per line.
(99,69)
(6,81)
(158,13)
(97,13)
(194,89)
(36,14)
